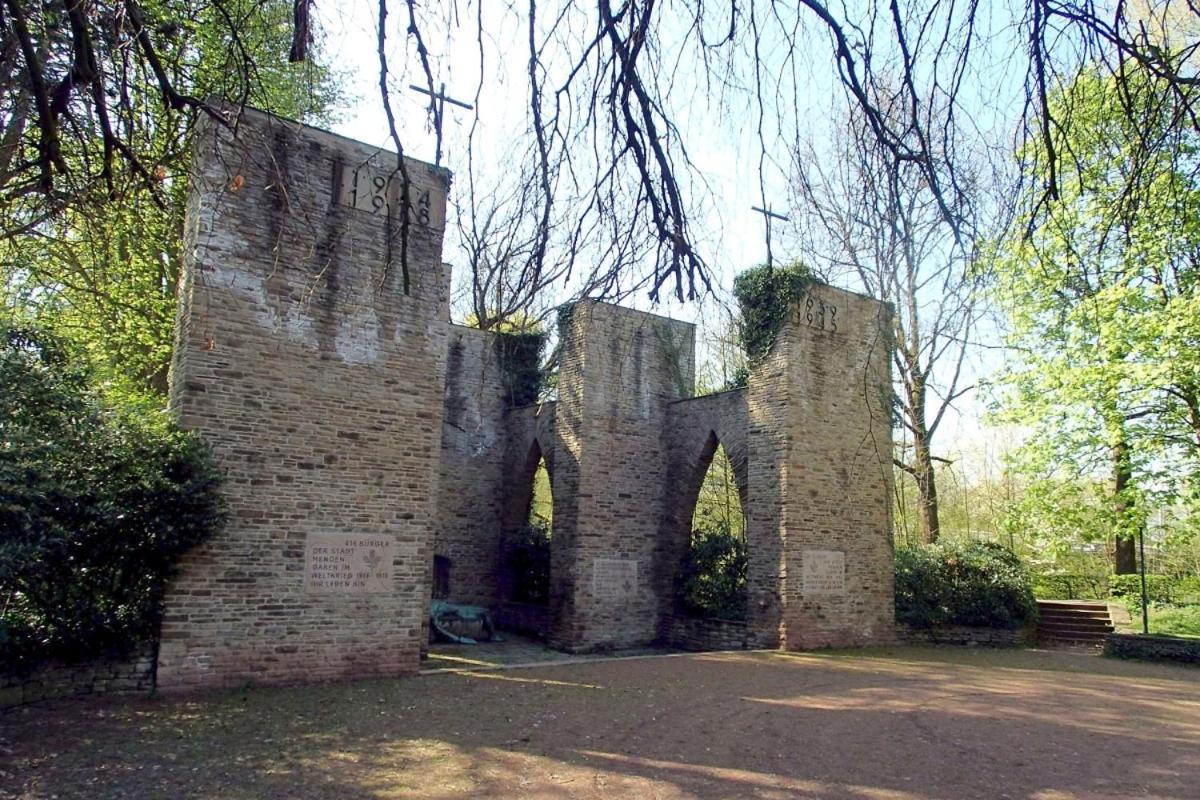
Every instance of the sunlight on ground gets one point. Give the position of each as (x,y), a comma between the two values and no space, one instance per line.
(885,724)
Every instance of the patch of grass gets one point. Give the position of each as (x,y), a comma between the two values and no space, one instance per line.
(1175,620)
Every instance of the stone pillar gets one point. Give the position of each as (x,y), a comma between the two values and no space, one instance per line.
(618,372)
(312,360)
(820,476)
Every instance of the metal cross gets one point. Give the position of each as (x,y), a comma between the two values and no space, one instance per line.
(768,215)
(437,104)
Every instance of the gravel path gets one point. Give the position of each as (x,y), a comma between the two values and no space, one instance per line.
(885,723)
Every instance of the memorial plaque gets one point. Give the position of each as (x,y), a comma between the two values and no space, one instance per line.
(614,578)
(824,572)
(348,563)
(376,189)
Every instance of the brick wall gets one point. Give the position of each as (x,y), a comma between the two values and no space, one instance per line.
(696,426)
(820,454)
(699,634)
(473,476)
(318,380)
(967,636)
(339,400)
(619,371)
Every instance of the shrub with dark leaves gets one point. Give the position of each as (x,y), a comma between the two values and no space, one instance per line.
(973,583)
(712,580)
(97,502)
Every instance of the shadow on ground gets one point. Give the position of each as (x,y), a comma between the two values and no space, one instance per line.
(896,723)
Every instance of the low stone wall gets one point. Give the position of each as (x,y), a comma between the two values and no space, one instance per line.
(1153,648)
(698,633)
(967,636)
(523,618)
(132,674)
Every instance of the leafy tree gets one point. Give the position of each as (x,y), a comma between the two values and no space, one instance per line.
(100,264)
(712,579)
(96,504)
(718,505)
(1100,295)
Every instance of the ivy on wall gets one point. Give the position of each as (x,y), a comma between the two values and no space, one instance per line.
(520,357)
(765,296)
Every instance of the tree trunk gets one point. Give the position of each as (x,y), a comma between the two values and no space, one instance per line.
(922,462)
(1124,541)
(927,499)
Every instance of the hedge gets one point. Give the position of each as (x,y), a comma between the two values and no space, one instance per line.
(975,583)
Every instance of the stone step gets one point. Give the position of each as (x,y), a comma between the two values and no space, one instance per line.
(1080,605)
(1072,613)
(1073,622)
(1074,630)
(1080,620)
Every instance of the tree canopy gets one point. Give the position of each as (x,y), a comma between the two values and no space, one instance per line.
(1101,299)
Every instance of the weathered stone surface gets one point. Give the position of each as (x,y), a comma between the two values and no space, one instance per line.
(340,402)
(619,372)
(134,673)
(820,474)
(318,380)
(967,636)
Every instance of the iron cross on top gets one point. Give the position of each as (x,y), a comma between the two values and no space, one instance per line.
(768,215)
(437,106)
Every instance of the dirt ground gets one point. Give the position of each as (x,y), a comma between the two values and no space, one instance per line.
(888,723)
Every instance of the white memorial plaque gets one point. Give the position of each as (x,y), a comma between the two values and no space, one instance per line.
(823,572)
(348,563)
(376,189)
(614,578)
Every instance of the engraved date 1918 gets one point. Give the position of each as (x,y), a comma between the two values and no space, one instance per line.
(378,192)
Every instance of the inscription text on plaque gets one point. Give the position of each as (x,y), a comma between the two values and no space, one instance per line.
(614,578)
(824,572)
(348,563)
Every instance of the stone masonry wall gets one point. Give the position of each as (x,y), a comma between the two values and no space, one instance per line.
(619,371)
(313,361)
(473,477)
(700,634)
(696,426)
(821,476)
(135,673)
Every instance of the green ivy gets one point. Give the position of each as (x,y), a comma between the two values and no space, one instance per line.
(520,355)
(97,501)
(766,295)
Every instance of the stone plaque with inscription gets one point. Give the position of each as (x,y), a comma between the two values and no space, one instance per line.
(377,189)
(614,578)
(348,563)
(823,572)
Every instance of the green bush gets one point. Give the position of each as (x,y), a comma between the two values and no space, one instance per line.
(1173,620)
(529,563)
(1128,589)
(712,579)
(1160,589)
(976,583)
(96,504)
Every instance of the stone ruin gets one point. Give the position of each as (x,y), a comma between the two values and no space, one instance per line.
(361,434)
